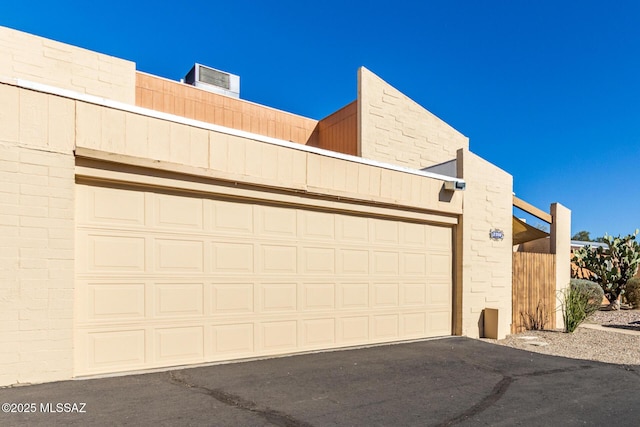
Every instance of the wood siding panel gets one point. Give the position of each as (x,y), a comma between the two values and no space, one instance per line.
(187,101)
(339,131)
(534,285)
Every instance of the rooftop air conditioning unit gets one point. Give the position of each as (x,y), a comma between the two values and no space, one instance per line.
(213,80)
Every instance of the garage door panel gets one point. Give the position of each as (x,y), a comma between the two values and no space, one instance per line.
(115,350)
(439,322)
(175,279)
(412,234)
(281,336)
(316,260)
(353,330)
(384,231)
(386,262)
(385,326)
(353,261)
(233,298)
(232,218)
(278,259)
(439,265)
(235,339)
(105,205)
(353,295)
(277,221)
(279,297)
(439,238)
(413,264)
(176,212)
(179,344)
(384,295)
(231,257)
(352,229)
(319,296)
(116,300)
(438,294)
(111,253)
(317,226)
(176,256)
(413,324)
(179,299)
(413,294)
(319,332)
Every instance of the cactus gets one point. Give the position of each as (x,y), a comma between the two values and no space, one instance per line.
(612,267)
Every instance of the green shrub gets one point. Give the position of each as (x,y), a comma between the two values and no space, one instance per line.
(632,292)
(579,300)
(592,293)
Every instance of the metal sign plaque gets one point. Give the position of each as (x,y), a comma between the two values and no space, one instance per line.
(496,234)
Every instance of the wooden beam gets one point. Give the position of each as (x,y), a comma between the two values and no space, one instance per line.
(530,209)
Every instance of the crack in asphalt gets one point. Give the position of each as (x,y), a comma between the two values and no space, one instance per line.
(272,416)
(500,389)
(554,371)
(496,393)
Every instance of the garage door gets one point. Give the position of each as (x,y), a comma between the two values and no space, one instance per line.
(167,279)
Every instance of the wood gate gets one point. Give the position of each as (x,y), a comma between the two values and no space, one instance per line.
(534,291)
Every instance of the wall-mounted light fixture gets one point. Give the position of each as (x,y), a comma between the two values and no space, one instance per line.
(455,185)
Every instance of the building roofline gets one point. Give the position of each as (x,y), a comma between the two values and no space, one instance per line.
(96,100)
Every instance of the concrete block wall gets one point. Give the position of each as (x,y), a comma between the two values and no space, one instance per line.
(397,130)
(486,264)
(40,60)
(36,236)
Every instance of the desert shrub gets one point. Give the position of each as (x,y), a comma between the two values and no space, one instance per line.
(580,299)
(632,292)
(536,321)
(592,293)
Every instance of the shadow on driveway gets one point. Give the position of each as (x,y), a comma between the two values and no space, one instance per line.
(446,382)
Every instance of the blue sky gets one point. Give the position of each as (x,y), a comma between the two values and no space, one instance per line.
(547,90)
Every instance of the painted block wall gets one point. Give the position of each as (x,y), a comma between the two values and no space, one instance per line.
(40,60)
(36,236)
(486,264)
(397,130)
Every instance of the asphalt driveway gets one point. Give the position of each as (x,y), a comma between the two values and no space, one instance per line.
(446,382)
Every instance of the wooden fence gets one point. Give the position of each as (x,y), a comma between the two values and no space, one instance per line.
(534,290)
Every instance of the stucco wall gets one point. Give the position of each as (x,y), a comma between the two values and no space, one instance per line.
(397,130)
(49,62)
(36,236)
(486,263)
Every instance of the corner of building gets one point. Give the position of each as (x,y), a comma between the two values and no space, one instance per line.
(486,260)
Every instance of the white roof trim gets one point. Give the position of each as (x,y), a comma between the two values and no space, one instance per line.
(39,87)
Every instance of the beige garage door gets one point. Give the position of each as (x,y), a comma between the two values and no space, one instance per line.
(170,279)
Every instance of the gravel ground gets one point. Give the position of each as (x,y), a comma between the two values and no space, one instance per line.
(609,346)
